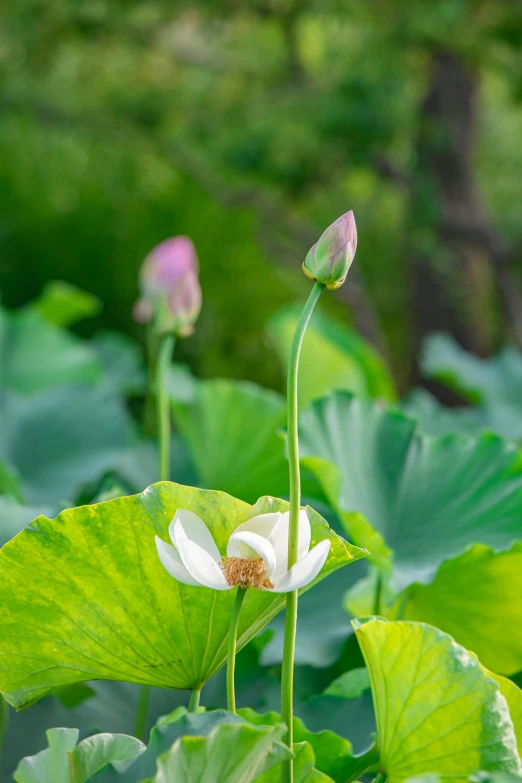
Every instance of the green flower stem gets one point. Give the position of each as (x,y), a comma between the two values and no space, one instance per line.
(163,405)
(149,412)
(232,646)
(378,595)
(287,676)
(194,700)
(143,712)
(163,427)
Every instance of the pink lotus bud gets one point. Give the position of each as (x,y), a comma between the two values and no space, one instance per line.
(170,290)
(329,260)
(185,302)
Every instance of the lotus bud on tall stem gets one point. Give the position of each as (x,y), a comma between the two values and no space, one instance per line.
(169,303)
(327,263)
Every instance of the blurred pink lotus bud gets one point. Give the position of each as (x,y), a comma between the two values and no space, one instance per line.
(170,290)
(185,302)
(329,260)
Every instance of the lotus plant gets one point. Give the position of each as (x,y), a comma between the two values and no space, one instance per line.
(327,263)
(170,302)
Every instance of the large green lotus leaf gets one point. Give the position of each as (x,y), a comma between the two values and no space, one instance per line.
(66,762)
(492,416)
(85,597)
(436,419)
(334,356)
(331,751)
(121,359)
(436,707)
(230,753)
(233,431)
(231,428)
(102,752)
(350,685)
(63,304)
(476,597)
(494,383)
(52,764)
(513,695)
(36,355)
(58,440)
(495,380)
(427,498)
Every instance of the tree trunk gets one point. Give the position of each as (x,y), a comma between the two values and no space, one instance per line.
(461,281)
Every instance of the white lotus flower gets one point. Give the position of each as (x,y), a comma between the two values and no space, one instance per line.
(257,554)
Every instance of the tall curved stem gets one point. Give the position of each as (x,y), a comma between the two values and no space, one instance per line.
(287,676)
(232,647)
(163,428)
(163,405)
(142,712)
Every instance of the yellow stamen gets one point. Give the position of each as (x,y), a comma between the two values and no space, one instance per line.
(244,572)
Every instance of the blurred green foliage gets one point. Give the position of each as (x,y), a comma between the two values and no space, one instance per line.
(249,127)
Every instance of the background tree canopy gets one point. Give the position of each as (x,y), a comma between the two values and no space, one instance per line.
(251,126)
